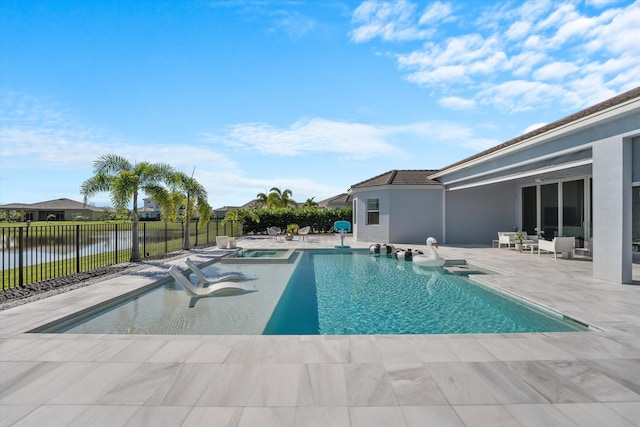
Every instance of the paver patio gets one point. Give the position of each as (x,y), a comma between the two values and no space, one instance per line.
(585,379)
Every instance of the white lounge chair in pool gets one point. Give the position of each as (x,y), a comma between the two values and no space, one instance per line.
(204,281)
(217,290)
(304,232)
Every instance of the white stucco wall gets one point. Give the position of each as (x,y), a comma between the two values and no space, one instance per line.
(475,215)
(371,233)
(612,215)
(417,214)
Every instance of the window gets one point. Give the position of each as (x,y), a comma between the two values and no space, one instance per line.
(355,213)
(373,211)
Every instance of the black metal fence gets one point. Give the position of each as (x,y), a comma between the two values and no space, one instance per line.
(33,253)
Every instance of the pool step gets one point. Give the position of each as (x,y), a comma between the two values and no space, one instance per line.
(462,270)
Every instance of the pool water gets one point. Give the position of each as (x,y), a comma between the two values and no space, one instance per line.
(325,292)
(344,293)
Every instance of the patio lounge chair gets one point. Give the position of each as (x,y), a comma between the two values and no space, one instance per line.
(217,290)
(558,244)
(304,232)
(204,281)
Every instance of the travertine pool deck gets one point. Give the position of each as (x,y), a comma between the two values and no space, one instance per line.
(554,379)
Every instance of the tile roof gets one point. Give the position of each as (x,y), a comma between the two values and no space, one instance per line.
(342,198)
(612,102)
(400,177)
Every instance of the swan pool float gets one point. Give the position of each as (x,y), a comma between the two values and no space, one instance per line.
(431,257)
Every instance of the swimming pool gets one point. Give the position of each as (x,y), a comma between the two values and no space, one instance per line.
(327,292)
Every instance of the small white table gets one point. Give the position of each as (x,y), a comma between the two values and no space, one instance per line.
(530,244)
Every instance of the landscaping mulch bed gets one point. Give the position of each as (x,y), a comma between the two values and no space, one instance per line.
(35,291)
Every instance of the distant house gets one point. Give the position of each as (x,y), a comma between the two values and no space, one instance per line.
(220,213)
(578,176)
(150,210)
(61,209)
(340,201)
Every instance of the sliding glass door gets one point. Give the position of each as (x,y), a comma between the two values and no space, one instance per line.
(530,210)
(549,210)
(573,209)
(556,209)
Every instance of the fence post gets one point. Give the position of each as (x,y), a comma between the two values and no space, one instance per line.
(21,249)
(144,239)
(116,239)
(166,237)
(77,248)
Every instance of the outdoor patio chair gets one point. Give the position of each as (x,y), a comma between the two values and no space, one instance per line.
(204,281)
(506,238)
(273,232)
(217,290)
(304,232)
(557,245)
(587,250)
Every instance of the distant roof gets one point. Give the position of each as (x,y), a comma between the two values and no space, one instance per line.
(400,177)
(612,102)
(340,199)
(56,204)
(226,208)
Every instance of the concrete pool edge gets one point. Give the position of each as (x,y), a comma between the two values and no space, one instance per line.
(54,326)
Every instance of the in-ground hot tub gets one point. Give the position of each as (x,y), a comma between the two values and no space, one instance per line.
(259,256)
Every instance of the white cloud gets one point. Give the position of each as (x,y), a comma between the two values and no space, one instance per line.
(601,3)
(555,71)
(315,135)
(521,95)
(533,127)
(434,12)
(553,49)
(518,30)
(388,20)
(457,103)
(45,136)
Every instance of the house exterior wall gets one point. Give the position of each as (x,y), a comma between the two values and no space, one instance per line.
(612,209)
(475,215)
(371,233)
(417,214)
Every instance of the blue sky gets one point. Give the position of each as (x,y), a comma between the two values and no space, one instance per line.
(311,96)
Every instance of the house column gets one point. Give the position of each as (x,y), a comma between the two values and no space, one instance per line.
(612,210)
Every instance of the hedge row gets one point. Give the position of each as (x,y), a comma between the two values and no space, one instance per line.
(320,220)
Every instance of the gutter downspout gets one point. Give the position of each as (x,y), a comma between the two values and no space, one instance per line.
(444,215)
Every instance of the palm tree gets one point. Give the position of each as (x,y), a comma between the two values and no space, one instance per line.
(282,199)
(310,203)
(194,199)
(261,200)
(124,180)
(240,216)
